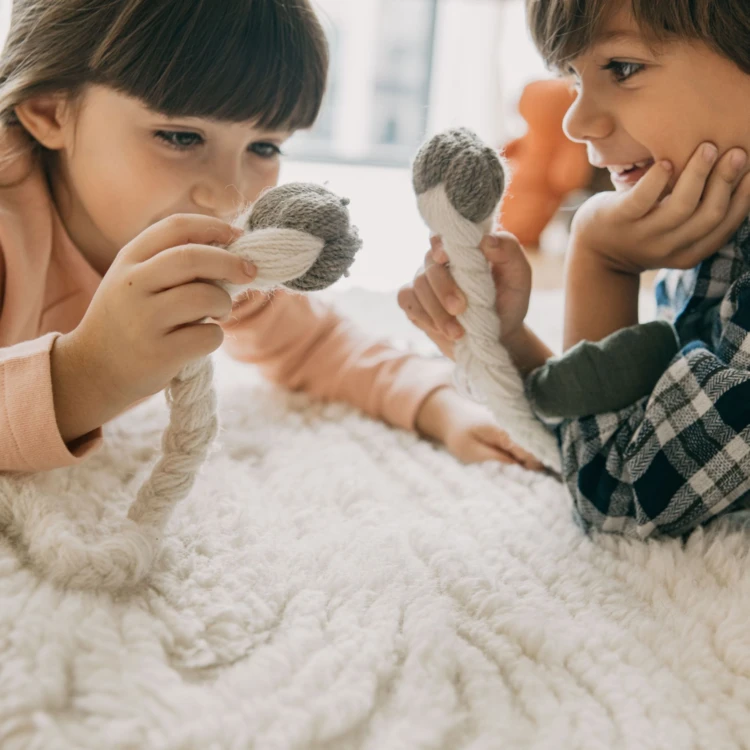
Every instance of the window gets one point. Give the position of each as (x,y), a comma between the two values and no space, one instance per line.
(378,91)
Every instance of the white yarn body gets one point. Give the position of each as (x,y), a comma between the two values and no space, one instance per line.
(121,558)
(280,255)
(485,370)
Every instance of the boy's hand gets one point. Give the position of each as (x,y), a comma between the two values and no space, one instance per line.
(433,300)
(639,230)
(469,430)
(144,322)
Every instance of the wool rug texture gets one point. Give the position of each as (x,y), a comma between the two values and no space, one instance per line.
(334,584)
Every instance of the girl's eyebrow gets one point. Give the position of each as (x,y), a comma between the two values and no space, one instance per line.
(620,35)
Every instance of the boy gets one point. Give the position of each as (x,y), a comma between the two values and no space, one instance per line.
(664,103)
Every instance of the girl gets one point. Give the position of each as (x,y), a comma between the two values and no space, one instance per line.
(132,131)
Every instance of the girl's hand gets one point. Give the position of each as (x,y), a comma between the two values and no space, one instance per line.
(433,300)
(469,431)
(638,230)
(144,322)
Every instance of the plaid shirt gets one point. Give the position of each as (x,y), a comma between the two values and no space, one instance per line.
(680,456)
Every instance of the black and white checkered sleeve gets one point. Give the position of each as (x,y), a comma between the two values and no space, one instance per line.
(679,456)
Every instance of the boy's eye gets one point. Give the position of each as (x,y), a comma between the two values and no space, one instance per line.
(622,71)
(265,150)
(179,139)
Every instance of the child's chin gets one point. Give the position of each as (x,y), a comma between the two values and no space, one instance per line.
(623,187)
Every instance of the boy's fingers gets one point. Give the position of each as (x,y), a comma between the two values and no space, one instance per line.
(446,289)
(687,193)
(501,249)
(437,251)
(408,302)
(717,199)
(441,319)
(700,250)
(179,229)
(645,195)
(181,265)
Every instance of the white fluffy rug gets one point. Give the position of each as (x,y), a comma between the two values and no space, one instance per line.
(335,584)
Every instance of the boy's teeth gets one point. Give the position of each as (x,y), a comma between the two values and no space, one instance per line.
(620,168)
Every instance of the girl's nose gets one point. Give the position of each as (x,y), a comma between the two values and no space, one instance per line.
(217,197)
(587,120)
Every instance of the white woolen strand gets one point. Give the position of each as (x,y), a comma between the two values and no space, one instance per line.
(124,557)
(485,370)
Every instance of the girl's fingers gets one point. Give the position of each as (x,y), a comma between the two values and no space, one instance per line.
(499,439)
(181,265)
(479,452)
(197,340)
(716,201)
(191,303)
(644,197)
(179,229)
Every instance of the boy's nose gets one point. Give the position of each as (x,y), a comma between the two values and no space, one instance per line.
(587,120)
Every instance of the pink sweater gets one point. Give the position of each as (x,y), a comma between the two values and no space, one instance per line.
(46,286)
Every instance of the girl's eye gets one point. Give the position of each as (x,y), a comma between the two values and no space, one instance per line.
(265,150)
(622,71)
(182,140)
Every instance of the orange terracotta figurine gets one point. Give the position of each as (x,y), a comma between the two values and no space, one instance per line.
(545,165)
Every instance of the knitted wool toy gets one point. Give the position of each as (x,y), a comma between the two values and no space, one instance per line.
(299,237)
(459,182)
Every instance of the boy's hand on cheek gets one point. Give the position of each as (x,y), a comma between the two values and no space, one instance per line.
(469,431)
(639,230)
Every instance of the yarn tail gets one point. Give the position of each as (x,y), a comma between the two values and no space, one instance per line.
(123,558)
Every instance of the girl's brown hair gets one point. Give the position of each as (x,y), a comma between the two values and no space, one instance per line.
(232,60)
(564,29)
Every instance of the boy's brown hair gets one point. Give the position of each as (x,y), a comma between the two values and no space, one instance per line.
(230,60)
(564,29)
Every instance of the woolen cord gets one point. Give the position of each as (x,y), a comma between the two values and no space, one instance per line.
(459,182)
(298,236)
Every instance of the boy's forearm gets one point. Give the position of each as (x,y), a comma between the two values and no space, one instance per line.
(599,299)
(527,350)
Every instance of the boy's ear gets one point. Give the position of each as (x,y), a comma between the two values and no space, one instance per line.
(45,118)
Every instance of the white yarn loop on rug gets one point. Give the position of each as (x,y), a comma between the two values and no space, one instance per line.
(485,370)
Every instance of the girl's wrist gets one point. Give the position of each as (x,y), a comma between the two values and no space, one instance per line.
(80,401)
(432,414)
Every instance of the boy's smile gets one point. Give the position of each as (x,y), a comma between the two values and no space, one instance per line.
(639,102)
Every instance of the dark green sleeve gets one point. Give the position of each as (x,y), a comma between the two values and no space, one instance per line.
(607,375)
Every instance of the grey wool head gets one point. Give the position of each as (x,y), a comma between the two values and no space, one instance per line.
(470,170)
(315,210)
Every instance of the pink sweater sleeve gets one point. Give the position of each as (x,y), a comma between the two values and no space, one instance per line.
(29,436)
(303,344)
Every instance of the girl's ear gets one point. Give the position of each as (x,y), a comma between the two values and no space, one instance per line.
(46,118)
